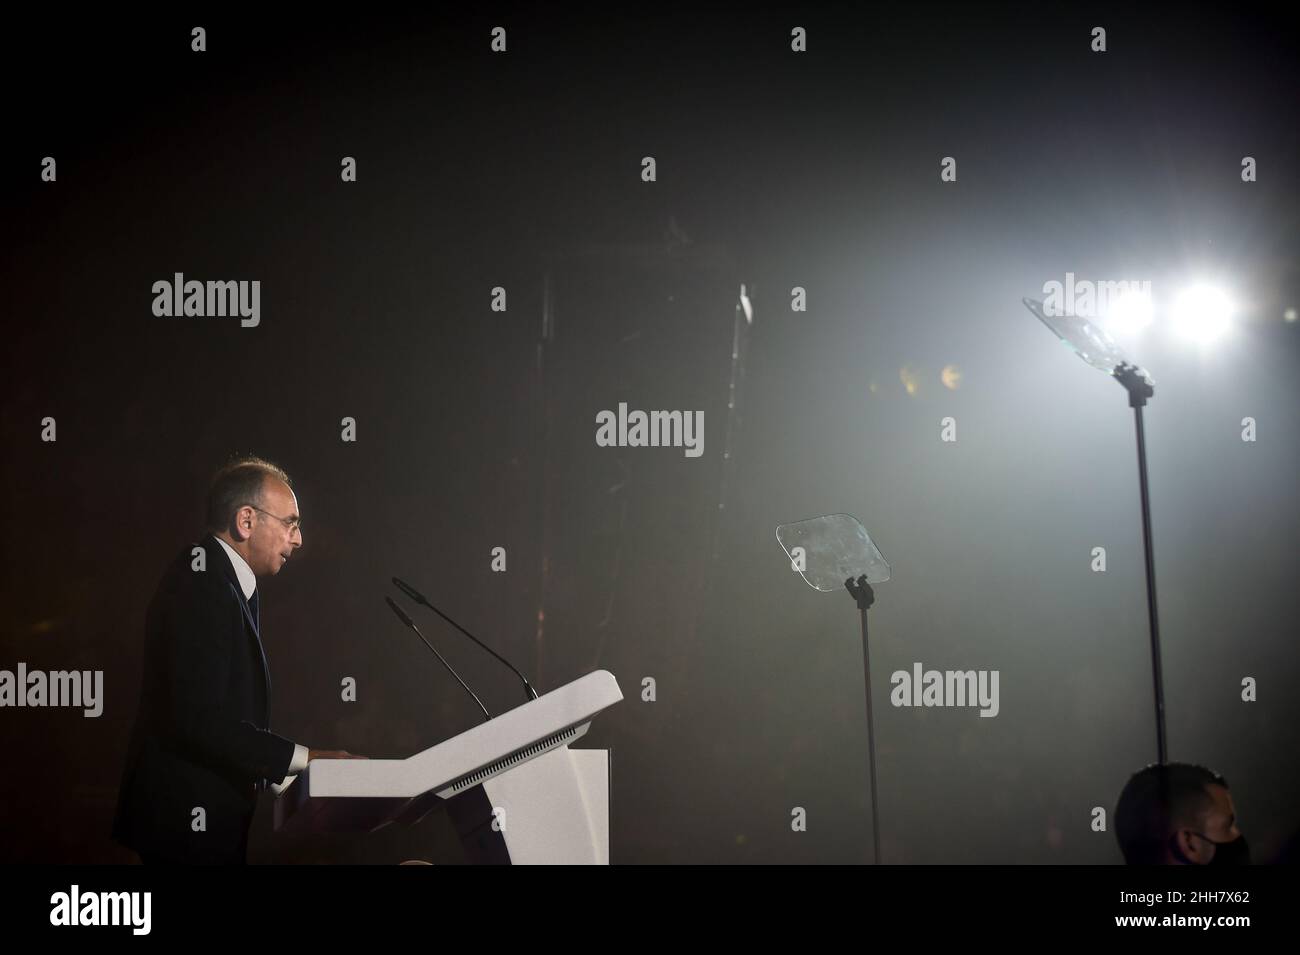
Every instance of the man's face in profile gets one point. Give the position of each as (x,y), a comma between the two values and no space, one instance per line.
(275,531)
(1218,828)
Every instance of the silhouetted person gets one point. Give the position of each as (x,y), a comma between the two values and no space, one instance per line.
(1179,814)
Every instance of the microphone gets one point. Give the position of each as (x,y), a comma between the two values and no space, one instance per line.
(401,614)
(419,598)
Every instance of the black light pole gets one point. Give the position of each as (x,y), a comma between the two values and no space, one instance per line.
(831,551)
(865,596)
(1139,390)
(1098,349)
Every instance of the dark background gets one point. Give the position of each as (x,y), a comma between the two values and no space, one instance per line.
(476,428)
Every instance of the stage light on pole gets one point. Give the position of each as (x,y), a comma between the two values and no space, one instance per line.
(1202,314)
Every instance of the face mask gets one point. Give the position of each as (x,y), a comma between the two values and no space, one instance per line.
(1236,852)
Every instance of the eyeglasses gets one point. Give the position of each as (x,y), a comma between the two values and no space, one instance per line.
(293,523)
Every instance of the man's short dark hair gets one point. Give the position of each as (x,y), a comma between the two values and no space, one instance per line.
(239,482)
(1157,801)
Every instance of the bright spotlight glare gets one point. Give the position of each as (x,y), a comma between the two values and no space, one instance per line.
(1130,313)
(1201,313)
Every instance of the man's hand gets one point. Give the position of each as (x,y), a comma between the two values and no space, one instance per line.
(331,754)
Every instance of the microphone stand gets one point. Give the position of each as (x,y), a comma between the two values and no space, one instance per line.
(406,619)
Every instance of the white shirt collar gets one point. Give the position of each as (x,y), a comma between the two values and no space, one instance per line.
(247,579)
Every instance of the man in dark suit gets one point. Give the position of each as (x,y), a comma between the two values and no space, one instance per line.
(201,749)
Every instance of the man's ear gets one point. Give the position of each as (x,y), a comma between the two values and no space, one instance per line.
(241,528)
(1187,848)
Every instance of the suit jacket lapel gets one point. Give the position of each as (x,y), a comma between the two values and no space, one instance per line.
(213,547)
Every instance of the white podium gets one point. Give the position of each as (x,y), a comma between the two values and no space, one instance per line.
(512,786)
